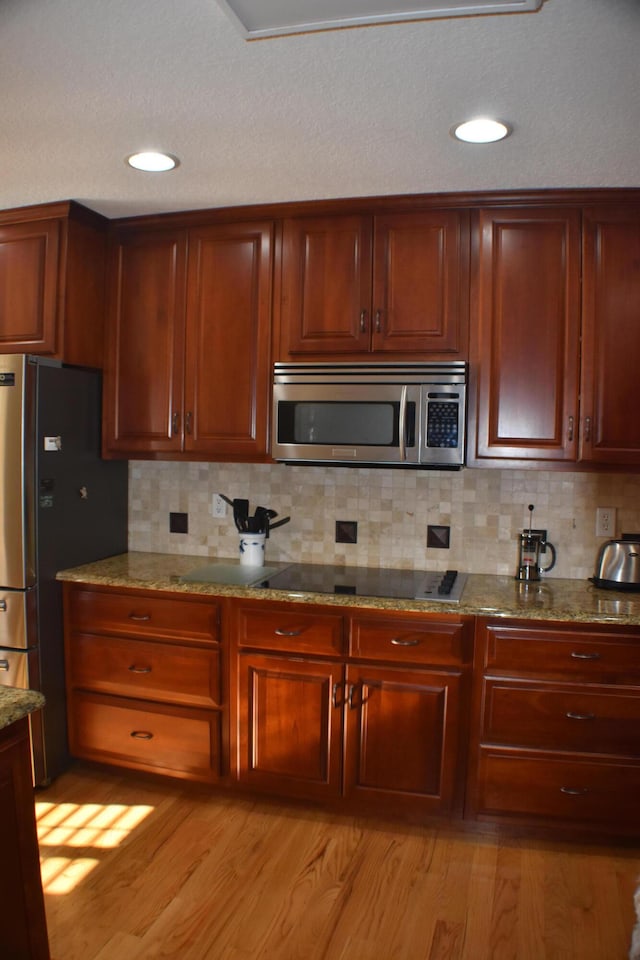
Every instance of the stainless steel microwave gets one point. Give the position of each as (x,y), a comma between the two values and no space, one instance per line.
(376,414)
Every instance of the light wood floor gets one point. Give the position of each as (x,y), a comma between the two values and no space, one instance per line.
(136,869)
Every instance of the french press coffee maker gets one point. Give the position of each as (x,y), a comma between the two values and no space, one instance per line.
(531,546)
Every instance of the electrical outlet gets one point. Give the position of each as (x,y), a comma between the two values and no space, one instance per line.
(218,506)
(605,521)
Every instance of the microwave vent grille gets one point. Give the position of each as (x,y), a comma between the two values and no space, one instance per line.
(450,372)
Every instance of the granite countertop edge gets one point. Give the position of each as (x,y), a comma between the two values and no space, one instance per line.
(485,595)
(16,704)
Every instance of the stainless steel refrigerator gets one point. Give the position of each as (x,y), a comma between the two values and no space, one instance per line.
(60,505)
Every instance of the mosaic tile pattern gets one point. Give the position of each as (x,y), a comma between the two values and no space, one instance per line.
(485,509)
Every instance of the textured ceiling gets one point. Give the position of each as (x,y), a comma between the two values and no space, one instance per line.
(356,112)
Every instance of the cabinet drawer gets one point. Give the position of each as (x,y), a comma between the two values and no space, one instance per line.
(571,790)
(139,668)
(183,743)
(291,630)
(404,641)
(585,654)
(143,614)
(562,718)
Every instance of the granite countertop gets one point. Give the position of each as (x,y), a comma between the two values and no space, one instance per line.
(484,595)
(16,704)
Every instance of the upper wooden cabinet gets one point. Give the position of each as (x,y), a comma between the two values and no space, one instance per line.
(145,342)
(392,284)
(52,263)
(228,345)
(188,364)
(525,335)
(610,429)
(553,368)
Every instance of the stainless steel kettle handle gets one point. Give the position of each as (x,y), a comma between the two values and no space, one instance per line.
(545,543)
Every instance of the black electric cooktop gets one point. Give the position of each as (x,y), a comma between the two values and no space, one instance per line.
(368,582)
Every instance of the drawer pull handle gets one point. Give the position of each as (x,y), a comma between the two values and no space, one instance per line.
(134,669)
(140,617)
(334,695)
(4,665)
(576,655)
(571,715)
(280,632)
(574,791)
(141,735)
(405,641)
(3,606)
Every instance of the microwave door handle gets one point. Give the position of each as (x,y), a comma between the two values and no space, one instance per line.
(402,427)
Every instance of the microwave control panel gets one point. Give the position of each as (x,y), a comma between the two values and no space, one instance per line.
(443,423)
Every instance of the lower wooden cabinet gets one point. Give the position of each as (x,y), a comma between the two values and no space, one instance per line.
(290,726)
(145,685)
(525,722)
(23,924)
(402,744)
(556,726)
(372,734)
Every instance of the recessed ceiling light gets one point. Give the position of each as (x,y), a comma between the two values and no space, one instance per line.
(481,130)
(152,161)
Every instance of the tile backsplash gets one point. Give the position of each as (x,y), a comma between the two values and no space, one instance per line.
(484,509)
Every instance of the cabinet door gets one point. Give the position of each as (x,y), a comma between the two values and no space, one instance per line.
(403,730)
(228,368)
(290,726)
(326,286)
(144,373)
(525,336)
(29,262)
(420,282)
(610,427)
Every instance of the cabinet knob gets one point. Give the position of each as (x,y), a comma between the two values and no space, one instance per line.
(141,735)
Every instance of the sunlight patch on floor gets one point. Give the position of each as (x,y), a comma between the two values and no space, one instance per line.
(86,827)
